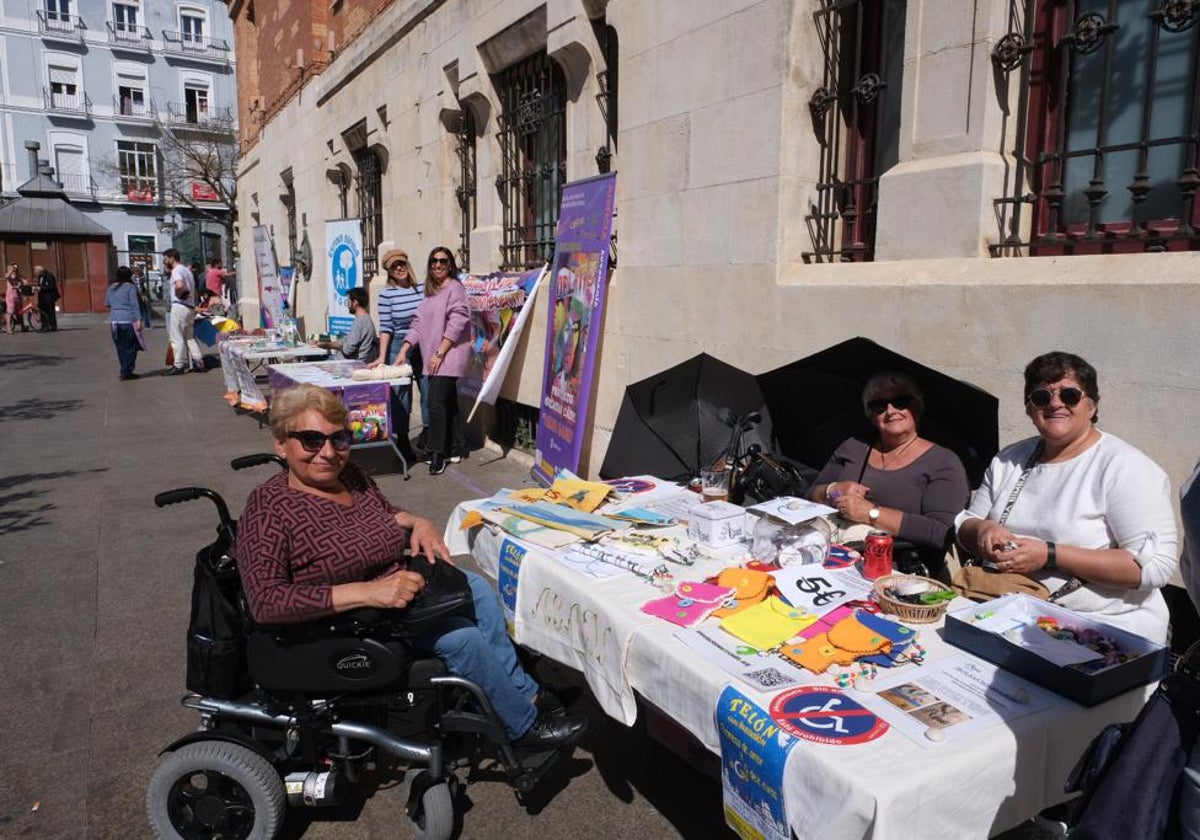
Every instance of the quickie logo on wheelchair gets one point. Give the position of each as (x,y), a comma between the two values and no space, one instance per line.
(353,664)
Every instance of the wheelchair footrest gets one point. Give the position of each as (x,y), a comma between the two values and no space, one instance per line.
(471,723)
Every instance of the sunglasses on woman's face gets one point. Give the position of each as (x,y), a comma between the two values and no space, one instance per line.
(439,261)
(397,264)
(314,441)
(880,405)
(1042,396)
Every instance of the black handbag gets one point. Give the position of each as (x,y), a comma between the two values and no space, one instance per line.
(216,640)
(446,592)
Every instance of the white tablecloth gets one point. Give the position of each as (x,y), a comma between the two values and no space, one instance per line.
(887,789)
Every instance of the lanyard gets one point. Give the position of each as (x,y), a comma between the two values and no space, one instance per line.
(1073,582)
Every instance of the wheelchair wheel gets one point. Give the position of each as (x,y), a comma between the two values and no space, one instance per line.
(434,818)
(35,320)
(214,789)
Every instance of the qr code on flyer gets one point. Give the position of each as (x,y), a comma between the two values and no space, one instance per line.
(769,678)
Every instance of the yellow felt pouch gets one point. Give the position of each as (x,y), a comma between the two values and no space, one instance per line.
(768,623)
(749,585)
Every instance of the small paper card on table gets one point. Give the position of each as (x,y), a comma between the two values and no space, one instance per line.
(818,590)
(792,510)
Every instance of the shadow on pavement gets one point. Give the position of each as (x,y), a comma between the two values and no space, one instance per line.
(13,521)
(35,409)
(23,361)
(9,481)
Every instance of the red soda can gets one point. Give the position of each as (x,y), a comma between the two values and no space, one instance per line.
(877,555)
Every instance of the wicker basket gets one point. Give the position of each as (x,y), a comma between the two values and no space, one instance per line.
(914,613)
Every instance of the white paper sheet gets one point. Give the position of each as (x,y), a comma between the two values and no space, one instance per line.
(957,696)
(763,672)
(792,510)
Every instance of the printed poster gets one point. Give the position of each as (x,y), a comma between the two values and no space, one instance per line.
(578,278)
(270,296)
(507,578)
(287,274)
(368,418)
(344,268)
(754,751)
(500,305)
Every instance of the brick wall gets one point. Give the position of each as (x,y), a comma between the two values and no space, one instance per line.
(283,44)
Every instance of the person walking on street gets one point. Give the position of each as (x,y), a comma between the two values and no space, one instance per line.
(48,295)
(12,297)
(125,316)
(216,277)
(180,321)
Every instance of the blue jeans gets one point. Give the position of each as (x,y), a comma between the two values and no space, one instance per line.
(482,653)
(125,339)
(401,405)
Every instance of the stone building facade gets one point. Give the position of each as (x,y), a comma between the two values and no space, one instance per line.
(968,184)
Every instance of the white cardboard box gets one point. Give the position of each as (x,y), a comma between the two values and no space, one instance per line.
(716,524)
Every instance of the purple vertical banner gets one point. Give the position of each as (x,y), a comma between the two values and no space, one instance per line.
(577,281)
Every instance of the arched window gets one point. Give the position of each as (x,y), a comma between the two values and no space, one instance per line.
(464,147)
(533,144)
(370,205)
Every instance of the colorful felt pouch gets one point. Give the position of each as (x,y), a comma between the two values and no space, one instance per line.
(750,587)
(852,635)
(691,603)
(768,623)
(817,654)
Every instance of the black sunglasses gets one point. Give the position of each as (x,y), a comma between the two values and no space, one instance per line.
(439,261)
(880,405)
(314,441)
(1041,397)
(397,264)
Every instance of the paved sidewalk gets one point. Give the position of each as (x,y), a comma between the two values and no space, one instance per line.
(94,593)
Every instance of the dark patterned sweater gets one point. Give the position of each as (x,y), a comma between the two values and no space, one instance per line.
(292,546)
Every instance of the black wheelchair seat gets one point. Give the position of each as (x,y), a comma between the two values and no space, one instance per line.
(351,654)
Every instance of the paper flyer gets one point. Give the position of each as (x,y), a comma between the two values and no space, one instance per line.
(764,672)
(754,752)
(955,697)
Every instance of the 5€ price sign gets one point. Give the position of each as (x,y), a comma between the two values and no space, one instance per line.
(819,590)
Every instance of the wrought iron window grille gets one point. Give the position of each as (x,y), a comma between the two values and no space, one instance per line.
(847,112)
(533,147)
(464,148)
(369,184)
(1106,160)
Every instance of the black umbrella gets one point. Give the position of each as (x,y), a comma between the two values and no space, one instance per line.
(817,403)
(678,421)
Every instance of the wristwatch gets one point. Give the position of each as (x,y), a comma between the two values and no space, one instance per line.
(873,514)
(1051,556)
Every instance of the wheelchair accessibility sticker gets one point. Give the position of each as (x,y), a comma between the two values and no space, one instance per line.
(826,716)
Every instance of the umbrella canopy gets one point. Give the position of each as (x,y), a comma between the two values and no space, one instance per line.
(674,423)
(817,403)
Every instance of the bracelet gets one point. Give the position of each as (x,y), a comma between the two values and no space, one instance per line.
(1051,555)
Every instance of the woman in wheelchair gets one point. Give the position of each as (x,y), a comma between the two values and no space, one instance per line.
(322,539)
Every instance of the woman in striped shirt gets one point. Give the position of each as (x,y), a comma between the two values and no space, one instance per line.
(397,306)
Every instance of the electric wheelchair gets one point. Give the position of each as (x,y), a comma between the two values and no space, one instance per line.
(293,716)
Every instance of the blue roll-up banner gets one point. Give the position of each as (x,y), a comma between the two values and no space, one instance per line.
(754,751)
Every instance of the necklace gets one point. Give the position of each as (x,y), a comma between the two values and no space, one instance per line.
(895,453)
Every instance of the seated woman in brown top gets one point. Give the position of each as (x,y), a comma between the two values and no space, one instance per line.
(900,483)
(322,539)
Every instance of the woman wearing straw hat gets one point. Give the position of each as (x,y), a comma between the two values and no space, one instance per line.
(397,305)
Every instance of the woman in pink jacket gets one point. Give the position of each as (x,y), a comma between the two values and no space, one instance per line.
(442,329)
